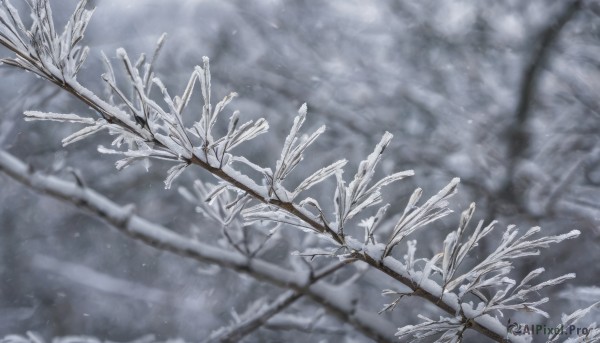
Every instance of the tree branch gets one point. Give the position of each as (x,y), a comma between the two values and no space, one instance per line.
(90,278)
(518,139)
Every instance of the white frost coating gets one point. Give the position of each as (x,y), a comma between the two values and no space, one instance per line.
(281,194)
(415,217)
(354,244)
(173,146)
(351,200)
(246,132)
(319,176)
(275,216)
(212,160)
(294,147)
(246,181)
(173,173)
(259,169)
(310,202)
(375,250)
(61,65)
(83,133)
(62,117)
(121,52)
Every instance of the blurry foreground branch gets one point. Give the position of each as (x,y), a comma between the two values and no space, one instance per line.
(124,220)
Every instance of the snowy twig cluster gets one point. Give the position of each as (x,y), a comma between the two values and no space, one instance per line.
(149,123)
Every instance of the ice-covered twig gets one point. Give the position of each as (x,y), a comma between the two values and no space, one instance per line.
(415,217)
(357,196)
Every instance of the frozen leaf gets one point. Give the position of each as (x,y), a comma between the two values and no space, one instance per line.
(148,75)
(173,173)
(246,132)
(433,209)
(453,255)
(83,133)
(267,213)
(356,197)
(259,169)
(294,147)
(311,202)
(447,327)
(319,176)
(187,93)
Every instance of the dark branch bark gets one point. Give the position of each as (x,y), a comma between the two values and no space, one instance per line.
(518,138)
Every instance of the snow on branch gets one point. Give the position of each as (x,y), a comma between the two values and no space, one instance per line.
(40,48)
(449,329)
(499,263)
(57,57)
(70,118)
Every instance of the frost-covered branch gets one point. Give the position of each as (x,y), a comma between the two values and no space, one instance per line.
(123,219)
(491,274)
